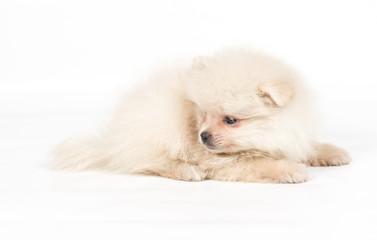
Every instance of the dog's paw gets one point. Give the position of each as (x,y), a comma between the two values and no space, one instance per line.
(191,173)
(284,171)
(329,155)
(295,173)
(183,171)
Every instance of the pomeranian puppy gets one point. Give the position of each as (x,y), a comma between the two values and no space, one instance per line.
(237,115)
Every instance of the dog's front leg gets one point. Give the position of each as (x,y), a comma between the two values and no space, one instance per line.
(263,170)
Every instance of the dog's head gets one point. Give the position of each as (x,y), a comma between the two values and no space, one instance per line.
(245,100)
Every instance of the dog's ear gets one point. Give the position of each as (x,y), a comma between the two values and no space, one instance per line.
(277,94)
(199,63)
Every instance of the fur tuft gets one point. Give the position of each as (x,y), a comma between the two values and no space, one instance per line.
(76,154)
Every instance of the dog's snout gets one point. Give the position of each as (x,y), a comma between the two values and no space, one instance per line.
(205,136)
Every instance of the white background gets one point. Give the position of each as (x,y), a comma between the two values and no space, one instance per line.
(64,63)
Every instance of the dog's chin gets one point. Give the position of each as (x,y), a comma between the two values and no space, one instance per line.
(214,150)
(217,149)
(220,149)
(211,148)
(223,150)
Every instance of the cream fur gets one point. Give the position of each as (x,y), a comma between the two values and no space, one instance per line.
(156,129)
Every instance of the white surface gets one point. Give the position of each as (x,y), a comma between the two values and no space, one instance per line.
(61,67)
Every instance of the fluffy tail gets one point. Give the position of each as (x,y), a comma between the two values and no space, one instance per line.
(76,154)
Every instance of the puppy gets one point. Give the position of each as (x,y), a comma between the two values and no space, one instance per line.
(237,115)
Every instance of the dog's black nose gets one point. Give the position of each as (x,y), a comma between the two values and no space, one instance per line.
(205,136)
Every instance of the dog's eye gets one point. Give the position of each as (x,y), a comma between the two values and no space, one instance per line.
(230,121)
